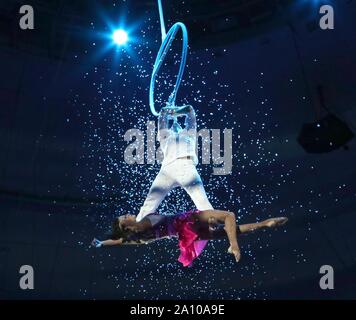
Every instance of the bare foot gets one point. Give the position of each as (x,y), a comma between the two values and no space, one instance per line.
(236,252)
(275,222)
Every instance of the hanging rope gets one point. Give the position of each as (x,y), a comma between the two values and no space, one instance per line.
(167,40)
(161,19)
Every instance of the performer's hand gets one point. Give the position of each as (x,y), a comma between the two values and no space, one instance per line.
(177,111)
(183,110)
(235,250)
(170,110)
(96,243)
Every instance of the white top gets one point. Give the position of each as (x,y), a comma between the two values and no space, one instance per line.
(177,142)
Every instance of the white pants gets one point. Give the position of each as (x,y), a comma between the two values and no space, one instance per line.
(181,172)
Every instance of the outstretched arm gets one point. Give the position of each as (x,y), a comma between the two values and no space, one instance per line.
(136,227)
(108,243)
(98,244)
(228,219)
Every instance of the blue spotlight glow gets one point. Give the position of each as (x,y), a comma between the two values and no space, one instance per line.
(120,37)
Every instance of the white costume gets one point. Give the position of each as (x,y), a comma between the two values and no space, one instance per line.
(178,165)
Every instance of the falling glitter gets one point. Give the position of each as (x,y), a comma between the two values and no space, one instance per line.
(120,102)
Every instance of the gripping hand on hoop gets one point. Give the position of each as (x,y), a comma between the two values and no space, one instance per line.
(177,111)
(183,110)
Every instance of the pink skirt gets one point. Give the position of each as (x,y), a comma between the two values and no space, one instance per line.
(190,247)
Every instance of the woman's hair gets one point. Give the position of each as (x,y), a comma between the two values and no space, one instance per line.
(118,232)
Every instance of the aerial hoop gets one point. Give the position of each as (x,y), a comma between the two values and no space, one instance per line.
(163,50)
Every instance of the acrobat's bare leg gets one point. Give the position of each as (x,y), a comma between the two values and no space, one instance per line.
(269,223)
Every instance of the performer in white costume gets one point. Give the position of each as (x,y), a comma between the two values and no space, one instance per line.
(179,161)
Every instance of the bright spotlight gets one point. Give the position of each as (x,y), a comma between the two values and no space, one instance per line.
(120,37)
